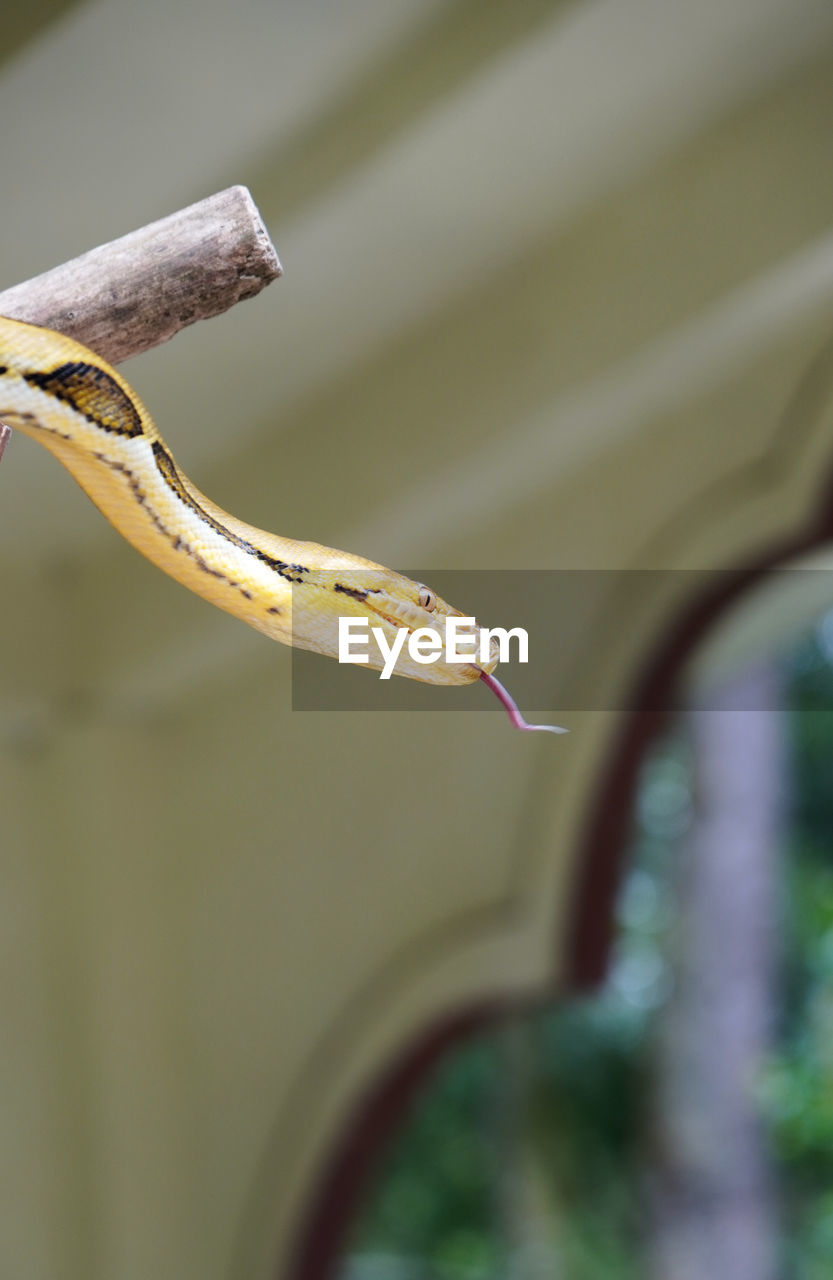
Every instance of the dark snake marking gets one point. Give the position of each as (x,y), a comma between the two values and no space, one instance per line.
(93,394)
(11,416)
(167,469)
(351,591)
(178,543)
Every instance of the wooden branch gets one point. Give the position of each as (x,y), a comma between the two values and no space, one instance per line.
(135,292)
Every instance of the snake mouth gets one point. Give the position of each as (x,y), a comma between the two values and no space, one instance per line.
(386,617)
(465,670)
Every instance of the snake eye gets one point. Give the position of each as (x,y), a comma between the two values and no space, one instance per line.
(427,599)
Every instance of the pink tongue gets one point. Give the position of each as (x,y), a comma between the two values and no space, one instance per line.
(512,708)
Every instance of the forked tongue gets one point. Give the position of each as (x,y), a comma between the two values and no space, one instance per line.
(512,708)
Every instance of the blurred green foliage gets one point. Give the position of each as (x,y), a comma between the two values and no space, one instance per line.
(797,1089)
(439,1208)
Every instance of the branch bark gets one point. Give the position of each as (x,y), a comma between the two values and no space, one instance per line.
(138,291)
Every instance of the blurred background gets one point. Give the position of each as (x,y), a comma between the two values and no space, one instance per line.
(557,296)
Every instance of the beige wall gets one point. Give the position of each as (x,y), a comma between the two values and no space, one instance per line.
(552,288)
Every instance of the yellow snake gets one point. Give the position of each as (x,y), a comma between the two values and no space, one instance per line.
(65,396)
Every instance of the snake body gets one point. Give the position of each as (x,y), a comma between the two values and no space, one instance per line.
(63,395)
(75,404)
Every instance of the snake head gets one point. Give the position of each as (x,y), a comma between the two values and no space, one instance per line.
(385,613)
